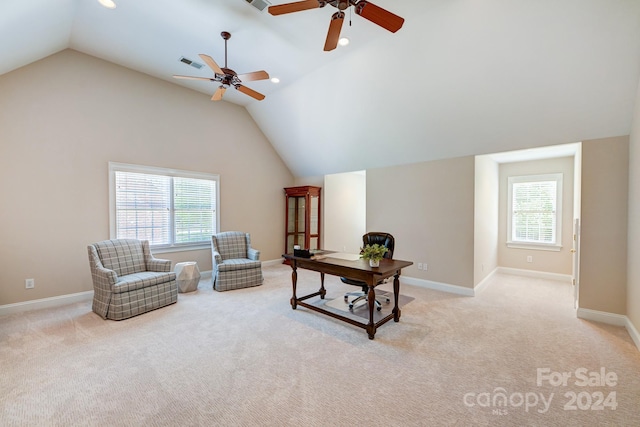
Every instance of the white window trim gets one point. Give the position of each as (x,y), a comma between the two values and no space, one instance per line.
(126,167)
(558,177)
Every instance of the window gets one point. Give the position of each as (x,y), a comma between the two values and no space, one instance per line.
(170,208)
(535,211)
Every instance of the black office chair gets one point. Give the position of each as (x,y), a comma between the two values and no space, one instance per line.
(384,239)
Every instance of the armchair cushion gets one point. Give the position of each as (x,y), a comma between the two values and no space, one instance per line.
(238,264)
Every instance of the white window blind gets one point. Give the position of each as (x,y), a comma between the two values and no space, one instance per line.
(534,209)
(194,208)
(167,207)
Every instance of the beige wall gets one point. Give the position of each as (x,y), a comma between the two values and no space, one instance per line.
(633,266)
(546,261)
(486,217)
(603,237)
(429,208)
(62,119)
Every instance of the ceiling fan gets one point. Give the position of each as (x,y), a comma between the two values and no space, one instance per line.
(367,10)
(227,77)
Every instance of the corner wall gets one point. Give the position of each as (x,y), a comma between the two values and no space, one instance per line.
(603,236)
(487,179)
(633,255)
(429,209)
(62,119)
(345,211)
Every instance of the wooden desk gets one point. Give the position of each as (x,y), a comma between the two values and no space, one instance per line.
(357,270)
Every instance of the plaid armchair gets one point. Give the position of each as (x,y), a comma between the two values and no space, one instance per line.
(235,263)
(128,280)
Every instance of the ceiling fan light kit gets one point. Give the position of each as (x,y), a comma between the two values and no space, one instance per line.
(227,77)
(369,11)
(109,4)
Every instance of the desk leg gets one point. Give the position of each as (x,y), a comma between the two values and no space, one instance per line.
(322,291)
(396,295)
(294,281)
(371,300)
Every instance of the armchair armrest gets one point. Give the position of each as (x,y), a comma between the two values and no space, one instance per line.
(158,265)
(103,278)
(106,278)
(253,254)
(216,259)
(152,263)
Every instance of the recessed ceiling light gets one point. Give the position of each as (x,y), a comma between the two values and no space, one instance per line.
(275,80)
(343,41)
(109,4)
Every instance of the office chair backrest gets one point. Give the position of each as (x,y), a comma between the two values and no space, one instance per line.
(384,239)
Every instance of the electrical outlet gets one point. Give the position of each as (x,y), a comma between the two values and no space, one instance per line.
(29,283)
(424,266)
(419,266)
(529,258)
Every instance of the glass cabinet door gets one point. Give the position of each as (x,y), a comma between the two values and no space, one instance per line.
(302,218)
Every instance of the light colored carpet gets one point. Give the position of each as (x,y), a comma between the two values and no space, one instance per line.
(245,358)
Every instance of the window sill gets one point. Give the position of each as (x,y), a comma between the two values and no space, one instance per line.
(165,249)
(534,246)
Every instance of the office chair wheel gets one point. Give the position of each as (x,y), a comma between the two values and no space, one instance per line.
(379,308)
(346,298)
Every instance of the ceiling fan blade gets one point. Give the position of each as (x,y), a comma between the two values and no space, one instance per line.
(211,63)
(217,96)
(378,15)
(193,78)
(334,31)
(252,93)
(297,6)
(256,75)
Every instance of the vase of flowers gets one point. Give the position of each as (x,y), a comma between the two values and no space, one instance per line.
(374,253)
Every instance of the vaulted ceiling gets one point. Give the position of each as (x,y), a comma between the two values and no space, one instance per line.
(461,77)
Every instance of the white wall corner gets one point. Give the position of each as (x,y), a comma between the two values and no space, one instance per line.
(484,282)
(611,319)
(635,335)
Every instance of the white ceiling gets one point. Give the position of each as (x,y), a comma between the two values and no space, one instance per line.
(462,77)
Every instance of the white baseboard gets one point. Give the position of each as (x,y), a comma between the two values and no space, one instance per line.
(37,304)
(445,287)
(60,300)
(483,283)
(602,317)
(533,273)
(272,262)
(611,319)
(635,335)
